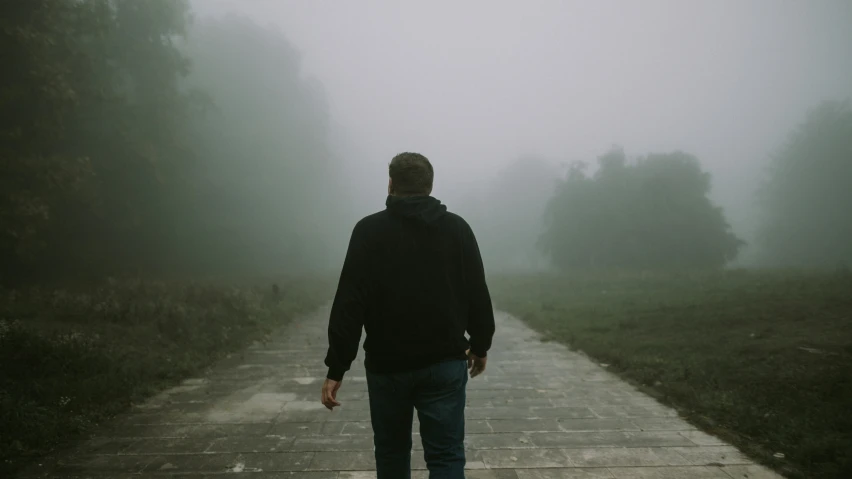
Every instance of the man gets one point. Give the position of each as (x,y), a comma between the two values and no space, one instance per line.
(413,278)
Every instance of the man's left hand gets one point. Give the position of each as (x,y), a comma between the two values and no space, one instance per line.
(329,394)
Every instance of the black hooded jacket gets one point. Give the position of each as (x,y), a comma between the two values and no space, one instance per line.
(413,279)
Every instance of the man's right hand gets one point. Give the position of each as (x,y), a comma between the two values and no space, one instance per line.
(329,394)
(475,364)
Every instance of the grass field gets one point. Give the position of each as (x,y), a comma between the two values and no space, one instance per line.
(70,359)
(762,359)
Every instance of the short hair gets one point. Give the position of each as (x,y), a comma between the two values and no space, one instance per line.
(411,174)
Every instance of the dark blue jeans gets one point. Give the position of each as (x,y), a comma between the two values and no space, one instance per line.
(438,395)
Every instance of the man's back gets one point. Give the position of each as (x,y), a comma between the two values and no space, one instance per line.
(417,272)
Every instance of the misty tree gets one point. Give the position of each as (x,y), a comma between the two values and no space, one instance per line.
(654,214)
(135,141)
(266,180)
(90,118)
(136,136)
(807,198)
(43,56)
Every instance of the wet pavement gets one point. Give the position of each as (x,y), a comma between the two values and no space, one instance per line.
(539,412)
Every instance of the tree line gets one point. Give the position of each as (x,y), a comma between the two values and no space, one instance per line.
(655,212)
(136,139)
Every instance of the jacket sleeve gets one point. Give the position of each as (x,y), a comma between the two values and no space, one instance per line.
(480,325)
(348,309)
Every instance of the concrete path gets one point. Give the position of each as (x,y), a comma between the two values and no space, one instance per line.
(540,412)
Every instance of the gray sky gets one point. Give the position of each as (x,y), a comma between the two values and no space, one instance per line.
(474,84)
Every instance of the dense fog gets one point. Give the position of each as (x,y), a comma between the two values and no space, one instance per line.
(504,96)
(222,136)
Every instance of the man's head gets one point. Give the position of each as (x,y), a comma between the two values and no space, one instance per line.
(411,174)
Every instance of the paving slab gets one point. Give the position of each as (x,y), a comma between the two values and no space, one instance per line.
(541,411)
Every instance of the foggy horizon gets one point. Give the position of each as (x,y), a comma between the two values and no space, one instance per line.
(477,85)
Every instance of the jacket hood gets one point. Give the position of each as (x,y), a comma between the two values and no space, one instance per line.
(424,208)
